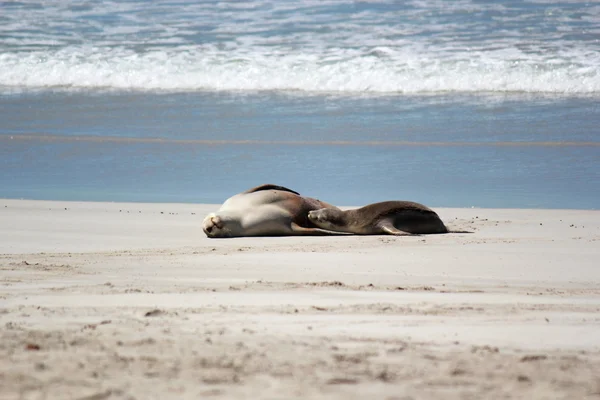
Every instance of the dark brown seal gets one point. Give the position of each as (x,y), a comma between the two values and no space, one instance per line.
(388,217)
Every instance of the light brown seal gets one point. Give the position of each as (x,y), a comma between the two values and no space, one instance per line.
(388,217)
(265,210)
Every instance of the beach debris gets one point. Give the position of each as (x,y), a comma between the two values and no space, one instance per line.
(323,283)
(484,349)
(533,357)
(154,313)
(32,347)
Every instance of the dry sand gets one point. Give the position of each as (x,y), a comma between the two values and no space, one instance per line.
(132,301)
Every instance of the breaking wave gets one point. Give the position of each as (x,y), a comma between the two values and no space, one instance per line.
(374,47)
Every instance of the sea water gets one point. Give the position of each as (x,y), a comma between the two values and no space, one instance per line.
(462,103)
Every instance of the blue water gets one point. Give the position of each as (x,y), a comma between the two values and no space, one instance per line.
(467,103)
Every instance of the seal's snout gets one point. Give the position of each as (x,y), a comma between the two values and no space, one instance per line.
(210,225)
(214,226)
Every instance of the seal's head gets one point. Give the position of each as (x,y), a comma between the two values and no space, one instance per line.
(216,226)
(327,218)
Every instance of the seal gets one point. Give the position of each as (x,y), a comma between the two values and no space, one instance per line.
(265,210)
(389,217)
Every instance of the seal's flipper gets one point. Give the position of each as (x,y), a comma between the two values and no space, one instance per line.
(269,186)
(300,230)
(388,227)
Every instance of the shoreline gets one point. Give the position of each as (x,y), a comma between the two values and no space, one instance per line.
(217,205)
(122,300)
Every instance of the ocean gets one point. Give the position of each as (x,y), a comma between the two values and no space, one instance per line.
(452,104)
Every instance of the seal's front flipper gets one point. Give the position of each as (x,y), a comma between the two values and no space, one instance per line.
(388,227)
(300,230)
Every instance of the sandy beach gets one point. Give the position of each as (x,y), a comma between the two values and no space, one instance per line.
(132,301)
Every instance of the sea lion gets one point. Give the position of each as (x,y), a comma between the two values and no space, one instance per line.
(388,217)
(265,210)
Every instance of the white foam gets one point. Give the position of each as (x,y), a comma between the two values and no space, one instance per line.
(378,70)
(312,46)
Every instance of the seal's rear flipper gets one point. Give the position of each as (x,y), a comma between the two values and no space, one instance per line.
(269,186)
(388,227)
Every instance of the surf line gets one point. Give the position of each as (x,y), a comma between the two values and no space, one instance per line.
(251,142)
